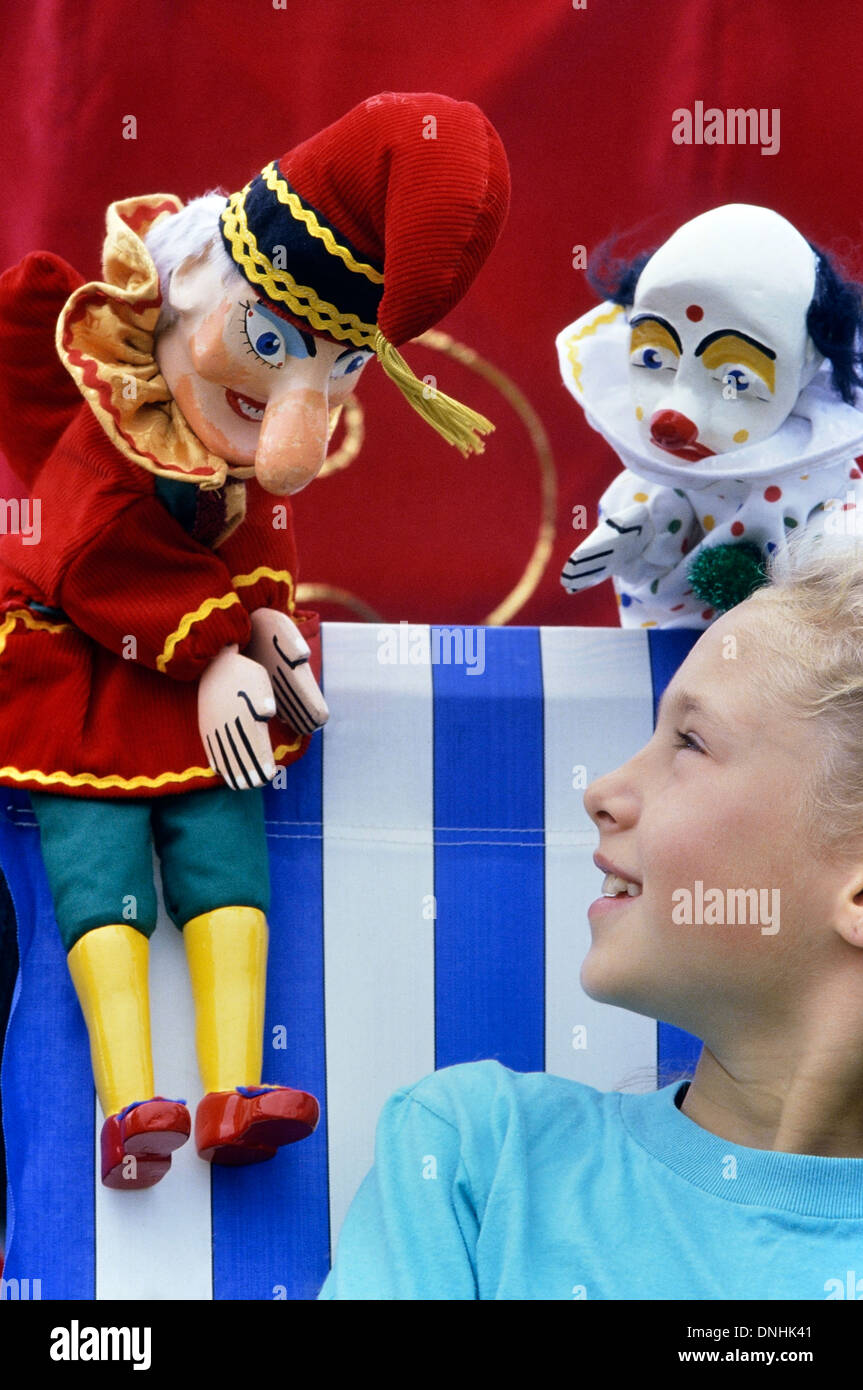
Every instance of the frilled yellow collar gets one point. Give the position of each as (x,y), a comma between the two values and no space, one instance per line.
(105,338)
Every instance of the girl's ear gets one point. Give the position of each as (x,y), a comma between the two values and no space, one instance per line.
(849,922)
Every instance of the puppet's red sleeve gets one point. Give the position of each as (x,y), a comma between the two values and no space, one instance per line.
(261,557)
(115,561)
(144,589)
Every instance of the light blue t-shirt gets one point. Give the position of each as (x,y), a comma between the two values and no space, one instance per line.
(495,1184)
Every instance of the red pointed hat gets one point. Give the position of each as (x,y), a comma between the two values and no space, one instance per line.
(373,229)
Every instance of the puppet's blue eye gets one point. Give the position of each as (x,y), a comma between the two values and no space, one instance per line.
(736,378)
(267,345)
(651,359)
(270,339)
(350,362)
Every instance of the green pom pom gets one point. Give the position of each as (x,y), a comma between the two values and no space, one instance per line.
(724,575)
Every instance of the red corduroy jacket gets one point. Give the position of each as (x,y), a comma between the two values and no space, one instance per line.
(102,700)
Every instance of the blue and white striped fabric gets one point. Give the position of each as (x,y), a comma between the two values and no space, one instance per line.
(432,866)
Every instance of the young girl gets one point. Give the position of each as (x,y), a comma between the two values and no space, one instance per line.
(747,1182)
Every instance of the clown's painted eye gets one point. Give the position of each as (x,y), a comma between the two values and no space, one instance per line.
(271,339)
(734,380)
(350,362)
(655,358)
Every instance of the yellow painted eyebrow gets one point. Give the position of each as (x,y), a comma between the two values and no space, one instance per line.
(732,348)
(651,333)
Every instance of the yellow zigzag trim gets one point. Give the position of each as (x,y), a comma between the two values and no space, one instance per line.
(89,779)
(198,616)
(586,332)
(29,620)
(281,287)
(242,581)
(276,184)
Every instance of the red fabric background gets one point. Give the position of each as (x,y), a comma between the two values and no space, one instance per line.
(583,100)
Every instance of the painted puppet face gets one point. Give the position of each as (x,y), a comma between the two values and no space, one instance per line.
(710,798)
(719,350)
(255,389)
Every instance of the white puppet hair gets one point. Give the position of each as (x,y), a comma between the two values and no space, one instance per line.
(192,231)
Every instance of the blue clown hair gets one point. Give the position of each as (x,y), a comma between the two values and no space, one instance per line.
(614,277)
(835,324)
(834,319)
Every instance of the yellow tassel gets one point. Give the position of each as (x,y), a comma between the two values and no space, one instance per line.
(458,424)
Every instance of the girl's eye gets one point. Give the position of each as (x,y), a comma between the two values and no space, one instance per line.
(353,363)
(653,358)
(686,741)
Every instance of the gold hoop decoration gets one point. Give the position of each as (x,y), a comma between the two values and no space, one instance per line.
(544,544)
(355,433)
(328,593)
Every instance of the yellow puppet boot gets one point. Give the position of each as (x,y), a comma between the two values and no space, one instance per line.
(239,1120)
(109,969)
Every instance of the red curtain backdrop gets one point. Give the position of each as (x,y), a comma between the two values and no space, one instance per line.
(583,99)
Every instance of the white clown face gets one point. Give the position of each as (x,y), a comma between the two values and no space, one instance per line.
(719,350)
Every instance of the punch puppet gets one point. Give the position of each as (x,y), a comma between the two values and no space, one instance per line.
(155,671)
(723,371)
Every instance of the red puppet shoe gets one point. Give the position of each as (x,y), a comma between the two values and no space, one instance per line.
(249,1124)
(138,1142)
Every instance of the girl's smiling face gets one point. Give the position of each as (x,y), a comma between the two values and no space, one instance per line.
(712,797)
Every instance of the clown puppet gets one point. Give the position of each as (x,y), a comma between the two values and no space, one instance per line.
(155,671)
(722,370)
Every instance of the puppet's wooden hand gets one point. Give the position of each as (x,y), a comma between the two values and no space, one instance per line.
(614,547)
(235,705)
(284,653)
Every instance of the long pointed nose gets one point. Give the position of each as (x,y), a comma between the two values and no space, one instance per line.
(292,444)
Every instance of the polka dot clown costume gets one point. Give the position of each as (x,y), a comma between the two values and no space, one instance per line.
(722,370)
(155,671)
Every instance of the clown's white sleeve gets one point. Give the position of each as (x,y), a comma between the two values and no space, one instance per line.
(674,522)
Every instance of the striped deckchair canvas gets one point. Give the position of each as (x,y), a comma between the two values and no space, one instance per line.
(432,866)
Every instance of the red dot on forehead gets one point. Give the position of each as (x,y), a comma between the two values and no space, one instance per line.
(694,312)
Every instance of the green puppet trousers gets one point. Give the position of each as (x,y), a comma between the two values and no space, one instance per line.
(98,856)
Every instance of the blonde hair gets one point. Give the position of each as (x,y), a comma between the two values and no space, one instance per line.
(810,636)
